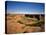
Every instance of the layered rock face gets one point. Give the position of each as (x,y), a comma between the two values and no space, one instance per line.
(19,23)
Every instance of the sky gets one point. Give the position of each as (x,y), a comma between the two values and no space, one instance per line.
(25,7)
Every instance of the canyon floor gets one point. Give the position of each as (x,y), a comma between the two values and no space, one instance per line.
(21,23)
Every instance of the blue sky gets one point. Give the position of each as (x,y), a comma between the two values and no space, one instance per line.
(25,7)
